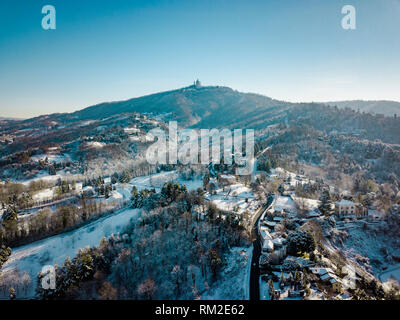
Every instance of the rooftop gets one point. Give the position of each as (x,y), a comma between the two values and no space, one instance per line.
(345,202)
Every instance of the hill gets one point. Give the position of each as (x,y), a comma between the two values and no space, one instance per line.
(385,107)
(211,106)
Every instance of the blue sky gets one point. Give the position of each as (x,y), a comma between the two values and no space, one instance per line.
(114,50)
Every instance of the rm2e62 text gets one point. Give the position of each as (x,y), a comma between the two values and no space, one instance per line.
(222,309)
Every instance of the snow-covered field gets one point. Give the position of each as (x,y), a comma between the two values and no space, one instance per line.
(43,175)
(157,180)
(233,198)
(45,194)
(294,180)
(283,202)
(33,257)
(53,158)
(309,204)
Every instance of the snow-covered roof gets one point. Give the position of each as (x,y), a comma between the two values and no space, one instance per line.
(268,245)
(227,176)
(270,223)
(265,233)
(278,242)
(312,214)
(345,202)
(321,271)
(326,276)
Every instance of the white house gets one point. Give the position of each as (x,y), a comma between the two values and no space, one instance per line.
(131,130)
(78,186)
(268,246)
(345,208)
(88,191)
(264,233)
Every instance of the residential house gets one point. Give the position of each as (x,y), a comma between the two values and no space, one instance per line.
(326,275)
(361,211)
(88,191)
(345,208)
(268,246)
(78,187)
(336,284)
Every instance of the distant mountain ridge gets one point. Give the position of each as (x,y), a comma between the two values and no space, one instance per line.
(210,106)
(11,118)
(385,107)
(218,107)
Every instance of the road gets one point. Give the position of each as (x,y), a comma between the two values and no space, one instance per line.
(255,270)
(48,204)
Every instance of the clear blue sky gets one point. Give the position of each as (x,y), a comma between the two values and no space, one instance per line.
(112,50)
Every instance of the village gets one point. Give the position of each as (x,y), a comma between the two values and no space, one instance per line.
(293,265)
(295,217)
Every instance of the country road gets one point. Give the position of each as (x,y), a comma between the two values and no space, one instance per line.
(255,270)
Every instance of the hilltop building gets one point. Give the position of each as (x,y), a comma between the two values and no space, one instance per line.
(197,84)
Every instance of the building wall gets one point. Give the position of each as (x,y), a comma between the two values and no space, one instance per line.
(346,209)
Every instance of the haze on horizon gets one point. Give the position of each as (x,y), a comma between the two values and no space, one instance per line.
(114,50)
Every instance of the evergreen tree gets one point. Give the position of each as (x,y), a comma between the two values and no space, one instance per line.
(52,170)
(326,206)
(268,166)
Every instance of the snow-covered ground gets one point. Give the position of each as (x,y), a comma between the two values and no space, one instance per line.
(309,204)
(264,289)
(45,176)
(233,198)
(294,179)
(96,144)
(284,202)
(234,282)
(122,191)
(53,158)
(33,257)
(375,246)
(45,194)
(157,180)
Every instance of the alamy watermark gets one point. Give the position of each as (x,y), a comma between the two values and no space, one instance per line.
(48,277)
(191,146)
(349,20)
(49,20)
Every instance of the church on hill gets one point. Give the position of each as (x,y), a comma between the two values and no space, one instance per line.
(197,84)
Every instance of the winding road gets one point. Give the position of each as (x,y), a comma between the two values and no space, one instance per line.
(255,270)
